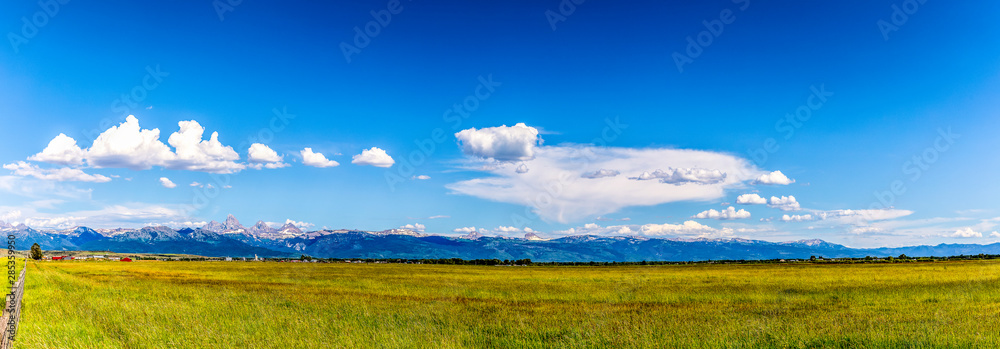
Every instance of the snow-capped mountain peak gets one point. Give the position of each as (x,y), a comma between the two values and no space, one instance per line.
(290,228)
(233,224)
(533,237)
(472,236)
(261,229)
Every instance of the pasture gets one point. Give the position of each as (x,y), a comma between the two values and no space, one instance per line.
(153,304)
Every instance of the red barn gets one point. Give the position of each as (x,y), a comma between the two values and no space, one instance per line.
(126,259)
(56,258)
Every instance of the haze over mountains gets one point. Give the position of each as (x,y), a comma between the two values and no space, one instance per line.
(231,238)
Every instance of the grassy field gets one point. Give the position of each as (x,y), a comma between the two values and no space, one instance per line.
(290,305)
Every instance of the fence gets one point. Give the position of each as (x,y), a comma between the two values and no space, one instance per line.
(12,311)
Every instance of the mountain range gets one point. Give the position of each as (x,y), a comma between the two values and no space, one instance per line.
(234,240)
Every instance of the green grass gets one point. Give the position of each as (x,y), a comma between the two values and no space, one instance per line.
(289,305)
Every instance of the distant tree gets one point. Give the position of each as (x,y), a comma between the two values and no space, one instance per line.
(812,258)
(903,256)
(36,252)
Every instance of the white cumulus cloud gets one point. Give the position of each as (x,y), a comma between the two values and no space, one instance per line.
(262,153)
(195,154)
(507,230)
(262,156)
(503,143)
(167,183)
(785,203)
(62,150)
(797,218)
(373,157)
(415,227)
(129,146)
(966,233)
(310,158)
(750,199)
(465,230)
(729,213)
(773,178)
(300,225)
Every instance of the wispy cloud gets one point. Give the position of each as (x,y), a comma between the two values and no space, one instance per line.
(557,192)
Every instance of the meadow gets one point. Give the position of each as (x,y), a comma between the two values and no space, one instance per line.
(153,304)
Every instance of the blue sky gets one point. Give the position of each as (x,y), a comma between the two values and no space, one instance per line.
(878,91)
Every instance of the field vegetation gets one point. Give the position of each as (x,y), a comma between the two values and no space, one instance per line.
(154,304)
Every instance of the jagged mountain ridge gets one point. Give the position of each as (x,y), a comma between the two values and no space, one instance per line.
(146,240)
(232,224)
(214,226)
(261,229)
(405,243)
